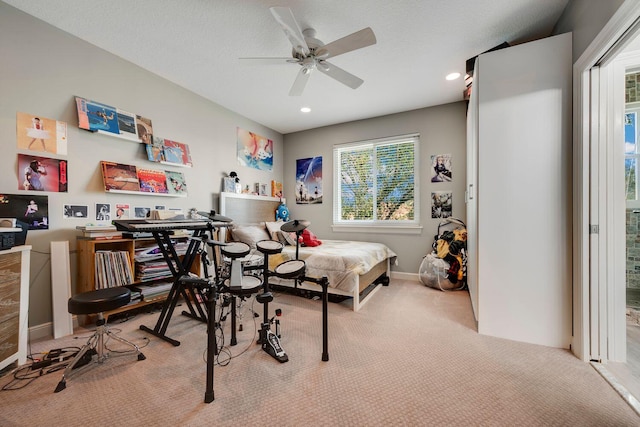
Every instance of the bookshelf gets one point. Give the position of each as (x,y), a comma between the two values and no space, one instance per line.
(87,248)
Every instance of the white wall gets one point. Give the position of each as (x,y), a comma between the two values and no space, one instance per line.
(585,19)
(43,68)
(442,130)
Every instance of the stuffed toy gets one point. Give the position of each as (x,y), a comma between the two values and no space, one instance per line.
(282,213)
(307,238)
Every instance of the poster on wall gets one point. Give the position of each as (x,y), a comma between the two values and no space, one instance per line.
(30,209)
(141,212)
(103,212)
(441,166)
(75,211)
(122,210)
(37,133)
(254,151)
(41,174)
(94,116)
(441,204)
(309,180)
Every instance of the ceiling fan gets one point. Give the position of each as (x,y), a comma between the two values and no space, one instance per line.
(311,54)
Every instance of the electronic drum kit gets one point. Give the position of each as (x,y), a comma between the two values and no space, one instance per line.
(230,279)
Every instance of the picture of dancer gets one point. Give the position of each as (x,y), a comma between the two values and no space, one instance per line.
(28,208)
(32,176)
(37,133)
(42,174)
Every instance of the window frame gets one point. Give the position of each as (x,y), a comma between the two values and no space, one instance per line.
(379,226)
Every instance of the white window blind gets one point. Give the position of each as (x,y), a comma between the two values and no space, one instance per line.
(376,182)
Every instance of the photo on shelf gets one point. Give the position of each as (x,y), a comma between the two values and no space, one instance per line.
(144,129)
(127,125)
(42,174)
(276,189)
(152,181)
(30,209)
(176,182)
(177,152)
(117,176)
(37,133)
(229,184)
(75,211)
(94,116)
(155,150)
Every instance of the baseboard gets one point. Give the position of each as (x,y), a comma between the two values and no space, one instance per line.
(405,276)
(44,331)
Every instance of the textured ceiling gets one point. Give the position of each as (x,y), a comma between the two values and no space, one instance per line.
(196,44)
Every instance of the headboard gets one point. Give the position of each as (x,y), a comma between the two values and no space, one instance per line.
(247,208)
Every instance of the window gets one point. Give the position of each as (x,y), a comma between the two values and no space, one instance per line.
(631,156)
(376,182)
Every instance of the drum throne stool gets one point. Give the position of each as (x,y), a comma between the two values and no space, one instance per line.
(96,303)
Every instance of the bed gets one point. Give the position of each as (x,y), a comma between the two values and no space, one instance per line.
(354,269)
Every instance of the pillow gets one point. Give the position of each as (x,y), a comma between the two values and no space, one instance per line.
(273,228)
(287,238)
(249,234)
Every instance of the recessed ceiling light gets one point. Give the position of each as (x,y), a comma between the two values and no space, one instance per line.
(305,109)
(452,76)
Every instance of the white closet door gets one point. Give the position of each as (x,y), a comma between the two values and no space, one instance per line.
(524,192)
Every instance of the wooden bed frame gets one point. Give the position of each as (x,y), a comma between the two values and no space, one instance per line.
(247,209)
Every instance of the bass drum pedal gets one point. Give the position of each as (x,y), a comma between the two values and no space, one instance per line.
(272,346)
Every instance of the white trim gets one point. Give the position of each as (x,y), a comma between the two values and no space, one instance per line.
(382,229)
(623,19)
(415,277)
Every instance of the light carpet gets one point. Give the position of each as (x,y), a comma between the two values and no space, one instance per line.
(410,357)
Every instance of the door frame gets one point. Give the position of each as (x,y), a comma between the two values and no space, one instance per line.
(596,251)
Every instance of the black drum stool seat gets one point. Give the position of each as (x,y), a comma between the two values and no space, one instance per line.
(97,302)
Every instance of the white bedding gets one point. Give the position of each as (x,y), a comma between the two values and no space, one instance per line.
(342,261)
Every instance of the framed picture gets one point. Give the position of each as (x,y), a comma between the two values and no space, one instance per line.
(263,189)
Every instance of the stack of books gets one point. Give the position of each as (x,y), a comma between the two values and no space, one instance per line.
(99,232)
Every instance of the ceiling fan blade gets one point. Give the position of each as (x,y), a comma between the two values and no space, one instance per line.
(268,61)
(284,17)
(339,74)
(300,82)
(357,40)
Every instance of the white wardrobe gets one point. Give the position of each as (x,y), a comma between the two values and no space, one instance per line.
(519,196)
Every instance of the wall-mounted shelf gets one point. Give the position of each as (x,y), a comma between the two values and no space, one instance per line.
(180,165)
(145,193)
(116,135)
